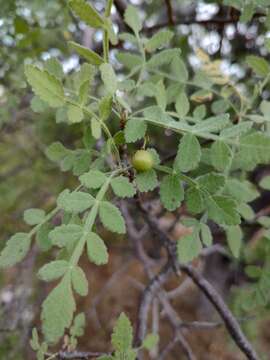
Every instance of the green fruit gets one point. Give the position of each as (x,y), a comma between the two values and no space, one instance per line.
(142,160)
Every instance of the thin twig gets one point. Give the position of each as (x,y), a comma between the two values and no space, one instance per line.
(146,300)
(169,12)
(230,321)
(64,355)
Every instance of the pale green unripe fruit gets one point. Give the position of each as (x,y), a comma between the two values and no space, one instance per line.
(142,160)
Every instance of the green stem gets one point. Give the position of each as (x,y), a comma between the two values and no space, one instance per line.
(90,220)
(102,124)
(170,171)
(105,32)
(47,218)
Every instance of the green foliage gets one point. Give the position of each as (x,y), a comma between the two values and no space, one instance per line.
(158,40)
(94,179)
(122,187)
(122,339)
(234,237)
(171,192)
(147,96)
(53,270)
(89,55)
(189,247)
(79,281)
(96,249)
(221,155)
(188,154)
(76,201)
(135,129)
(146,180)
(45,85)
(132,19)
(109,78)
(65,234)
(57,311)
(87,13)
(34,216)
(150,341)
(111,217)
(15,250)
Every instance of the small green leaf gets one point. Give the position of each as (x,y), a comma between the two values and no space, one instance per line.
(82,80)
(150,341)
(105,107)
(188,154)
(57,311)
(38,105)
(158,40)
(222,210)
(182,104)
(258,64)
(211,182)
(75,114)
(96,249)
(242,191)
(234,238)
(206,235)
(132,19)
(56,152)
(89,55)
(64,234)
(247,12)
(53,270)
(246,211)
(163,57)
(79,281)
(135,129)
(236,130)
(47,87)
(109,78)
(111,217)
(76,201)
(255,148)
(34,216)
(189,247)
(171,192)
(129,60)
(221,155)
(194,200)
(96,128)
(265,182)
(15,250)
(78,325)
(122,334)
(146,180)
(213,124)
(34,342)
(93,179)
(42,237)
(179,69)
(53,66)
(86,13)
(160,94)
(122,187)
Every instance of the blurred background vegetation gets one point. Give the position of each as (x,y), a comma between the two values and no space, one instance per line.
(37,30)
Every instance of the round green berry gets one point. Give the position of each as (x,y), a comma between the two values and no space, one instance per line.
(142,160)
